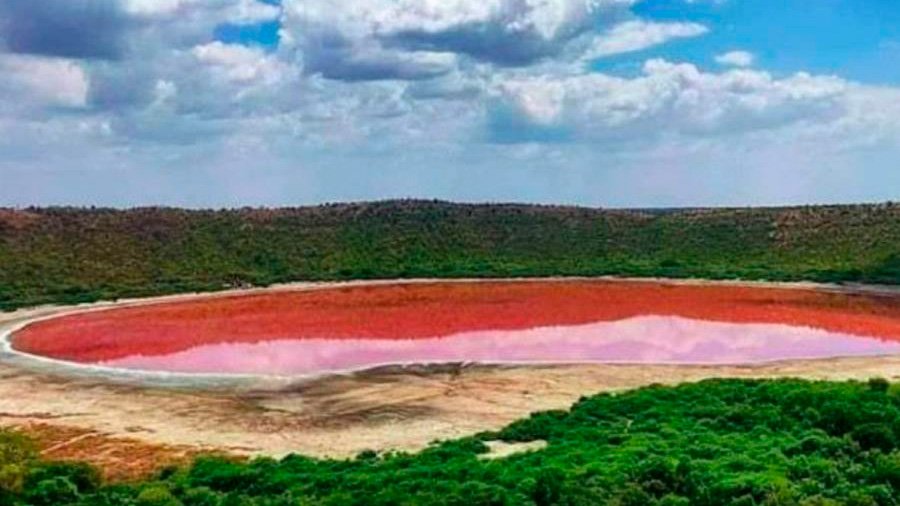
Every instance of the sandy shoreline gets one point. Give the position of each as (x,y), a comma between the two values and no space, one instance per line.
(401,408)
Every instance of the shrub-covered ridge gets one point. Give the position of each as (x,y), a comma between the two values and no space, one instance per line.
(65,255)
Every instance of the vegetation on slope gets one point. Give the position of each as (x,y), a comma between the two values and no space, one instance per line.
(719,442)
(65,255)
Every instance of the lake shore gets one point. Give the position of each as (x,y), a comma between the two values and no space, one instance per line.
(399,408)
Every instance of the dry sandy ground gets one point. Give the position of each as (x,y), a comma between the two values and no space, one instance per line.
(127,428)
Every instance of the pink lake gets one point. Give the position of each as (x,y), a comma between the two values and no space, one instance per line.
(643,339)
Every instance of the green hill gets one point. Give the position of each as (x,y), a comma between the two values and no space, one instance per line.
(69,255)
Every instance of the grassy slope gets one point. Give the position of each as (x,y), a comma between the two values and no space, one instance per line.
(69,255)
(720,442)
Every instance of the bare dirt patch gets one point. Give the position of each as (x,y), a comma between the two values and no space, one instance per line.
(118,458)
(502,449)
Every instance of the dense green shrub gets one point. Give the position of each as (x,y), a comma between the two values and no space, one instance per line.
(157,495)
(84,478)
(51,492)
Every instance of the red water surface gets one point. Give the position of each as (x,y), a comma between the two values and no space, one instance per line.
(419,311)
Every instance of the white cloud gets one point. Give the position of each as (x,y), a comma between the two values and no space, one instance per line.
(736,59)
(673,98)
(241,64)
(637,35)
(401,80)
(45,81)
(366,39)
(546,18)
(151,7)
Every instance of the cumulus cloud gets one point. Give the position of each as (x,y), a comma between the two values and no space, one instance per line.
(637,35)
(736,59)
(123,48)
(460,81)
(546,19)
(415,39)
(672,98)
(212,83)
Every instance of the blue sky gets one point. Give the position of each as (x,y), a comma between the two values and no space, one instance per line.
(858,40)
(618,103)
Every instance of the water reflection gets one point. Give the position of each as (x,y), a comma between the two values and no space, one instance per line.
(645,339)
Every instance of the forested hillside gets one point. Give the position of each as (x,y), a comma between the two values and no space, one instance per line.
(71,254)
(716,443)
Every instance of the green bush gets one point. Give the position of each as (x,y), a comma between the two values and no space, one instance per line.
(83,477)
(157,495)
(55,491)
(201,496)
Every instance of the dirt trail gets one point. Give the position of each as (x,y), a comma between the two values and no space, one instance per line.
(131,428)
